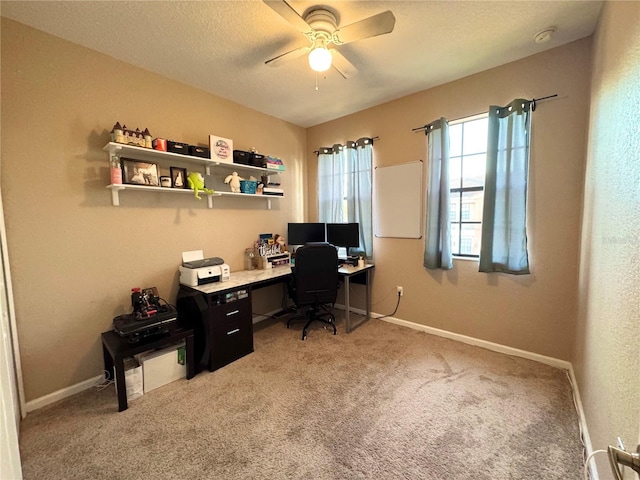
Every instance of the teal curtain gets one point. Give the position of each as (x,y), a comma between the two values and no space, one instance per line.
(504,230)
(331,191)
(359,190)
(437,251)
(345,178)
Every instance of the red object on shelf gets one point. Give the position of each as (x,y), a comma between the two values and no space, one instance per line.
(160,144)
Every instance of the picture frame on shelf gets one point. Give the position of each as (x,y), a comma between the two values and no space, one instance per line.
(136,172)
(178,177)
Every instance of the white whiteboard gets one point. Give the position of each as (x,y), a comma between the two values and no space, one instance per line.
(398,194)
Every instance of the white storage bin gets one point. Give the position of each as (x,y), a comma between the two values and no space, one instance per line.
(132,379)
(163,366)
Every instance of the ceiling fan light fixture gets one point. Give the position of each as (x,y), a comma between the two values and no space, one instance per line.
(320,59)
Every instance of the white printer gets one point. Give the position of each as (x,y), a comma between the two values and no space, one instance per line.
(197,270)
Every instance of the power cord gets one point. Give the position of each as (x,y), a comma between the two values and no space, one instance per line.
(575,405)
(105,382)
(587,475)
(586,463)
(395,310)
(354,293)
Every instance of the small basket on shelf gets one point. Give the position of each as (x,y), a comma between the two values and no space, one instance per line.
(248,186)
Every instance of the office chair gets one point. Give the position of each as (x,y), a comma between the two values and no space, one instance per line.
(314,284)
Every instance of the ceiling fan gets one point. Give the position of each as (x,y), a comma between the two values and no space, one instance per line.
(320,25)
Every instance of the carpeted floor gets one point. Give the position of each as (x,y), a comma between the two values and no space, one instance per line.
(384,402)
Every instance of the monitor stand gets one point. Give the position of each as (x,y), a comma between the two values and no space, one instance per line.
(348,260)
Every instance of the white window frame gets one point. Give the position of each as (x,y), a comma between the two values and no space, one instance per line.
(458,192)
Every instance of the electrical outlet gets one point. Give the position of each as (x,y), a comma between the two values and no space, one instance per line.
(400,291)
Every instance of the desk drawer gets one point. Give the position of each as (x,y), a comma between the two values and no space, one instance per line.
(230,332)
(227,312)
(231,341)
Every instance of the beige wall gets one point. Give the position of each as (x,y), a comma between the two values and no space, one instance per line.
(607,360)
(535,312)
(74,257)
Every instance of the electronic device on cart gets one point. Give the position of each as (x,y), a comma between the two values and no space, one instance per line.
(151,315)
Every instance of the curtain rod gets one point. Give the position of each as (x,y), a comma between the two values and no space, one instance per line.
(533,109)
(373,139)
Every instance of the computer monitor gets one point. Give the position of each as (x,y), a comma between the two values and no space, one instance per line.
(343,234)
(302,233)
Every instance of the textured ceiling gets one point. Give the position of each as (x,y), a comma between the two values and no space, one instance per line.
(221,46)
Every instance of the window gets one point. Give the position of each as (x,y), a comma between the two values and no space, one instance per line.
(345,188)
(453,211)
(468,155)
(465,211)
(466,245)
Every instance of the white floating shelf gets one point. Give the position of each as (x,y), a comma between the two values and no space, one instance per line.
(151,155)
(115,193)
(140,153)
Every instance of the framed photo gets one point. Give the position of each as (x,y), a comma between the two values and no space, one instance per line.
(139,173)
(178,177)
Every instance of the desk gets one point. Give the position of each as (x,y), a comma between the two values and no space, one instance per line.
(116,348)
(247,278)
(262,278)
(348,273)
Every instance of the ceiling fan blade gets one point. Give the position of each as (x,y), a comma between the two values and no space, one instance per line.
(285,57)
(287,12)
(343,66)
(369,27)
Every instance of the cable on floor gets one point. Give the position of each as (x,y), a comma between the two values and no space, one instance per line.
(586,463)
(104,382)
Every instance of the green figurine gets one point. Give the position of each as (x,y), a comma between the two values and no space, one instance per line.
(196,183)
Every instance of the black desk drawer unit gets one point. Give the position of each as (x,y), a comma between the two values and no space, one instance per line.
(222,325)
(230,330)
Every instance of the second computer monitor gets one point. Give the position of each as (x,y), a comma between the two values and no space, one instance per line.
(302,233)
(343,234)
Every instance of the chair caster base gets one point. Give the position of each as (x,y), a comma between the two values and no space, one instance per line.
(330,322)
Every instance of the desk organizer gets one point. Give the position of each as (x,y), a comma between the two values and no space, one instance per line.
(275,260)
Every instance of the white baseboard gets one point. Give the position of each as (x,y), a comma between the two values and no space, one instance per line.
(265,316)
(586,439)
(496,347)
(61,394)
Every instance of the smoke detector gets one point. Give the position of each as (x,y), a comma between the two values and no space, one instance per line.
(545,35)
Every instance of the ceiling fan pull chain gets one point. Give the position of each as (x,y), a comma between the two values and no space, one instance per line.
(316,81)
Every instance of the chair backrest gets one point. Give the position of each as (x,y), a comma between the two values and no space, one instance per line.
(316,274)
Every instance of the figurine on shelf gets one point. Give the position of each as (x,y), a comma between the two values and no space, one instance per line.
(117,134)
(234,182)
(121,134)
(147,138)
(196,183)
